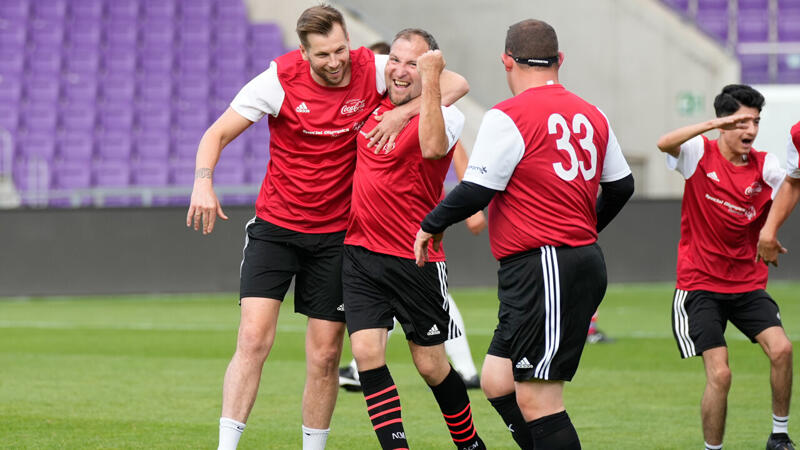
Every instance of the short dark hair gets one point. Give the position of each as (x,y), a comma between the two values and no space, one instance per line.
(380,48)
(532,38)
(408,32)
(320,20)
(734,96)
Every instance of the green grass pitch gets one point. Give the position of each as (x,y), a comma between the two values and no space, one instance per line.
(146,372)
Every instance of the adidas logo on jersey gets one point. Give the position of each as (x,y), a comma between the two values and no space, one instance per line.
(713,176)
(433,331)
(302,108)
(524,364)
(340,307)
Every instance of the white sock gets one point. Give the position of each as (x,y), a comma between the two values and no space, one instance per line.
(229,433)
(713,447)
(458,349)
(314,439)
(780,424)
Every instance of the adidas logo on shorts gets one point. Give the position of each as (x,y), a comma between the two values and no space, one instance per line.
(524,364)
(340,307)
(302,108)
(433,331)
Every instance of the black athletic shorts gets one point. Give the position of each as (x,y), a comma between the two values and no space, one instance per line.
(547,298)
(699,318)
(273,255)
(379,287)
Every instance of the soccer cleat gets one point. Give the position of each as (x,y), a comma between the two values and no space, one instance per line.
(348,379)
(598,337)
(473,382)
(779,441)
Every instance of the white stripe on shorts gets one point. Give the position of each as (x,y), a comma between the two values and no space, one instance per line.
(681,324)
(442,270)
(552,311)
(246,241)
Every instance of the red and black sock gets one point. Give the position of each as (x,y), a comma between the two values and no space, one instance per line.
(451,395)
(508,409)
(383,407)
(554,431)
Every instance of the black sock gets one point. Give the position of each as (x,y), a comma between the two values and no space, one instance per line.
(554,432)
(383,407)
(451,395)
(509,411)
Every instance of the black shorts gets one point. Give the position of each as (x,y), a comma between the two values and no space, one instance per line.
(547,298)
(379,287)
(699,318)
(273,255)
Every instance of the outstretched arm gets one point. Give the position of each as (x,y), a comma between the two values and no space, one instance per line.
(671,142)
(205,206)
(768,245)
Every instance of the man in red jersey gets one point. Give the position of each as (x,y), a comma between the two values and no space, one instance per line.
(539,160)
(729,189)
(391,193)
(788,195)
(317,99)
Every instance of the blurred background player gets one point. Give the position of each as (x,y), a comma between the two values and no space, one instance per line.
(457,348)
(297,232)
(393,188)
(539,160)
(788,194)
(729,189)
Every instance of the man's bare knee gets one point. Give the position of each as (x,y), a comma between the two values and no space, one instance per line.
(720,377)
(781,352)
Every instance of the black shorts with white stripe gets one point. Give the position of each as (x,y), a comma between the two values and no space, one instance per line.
(699,318)
(378,287)
(547,298)
(273,255)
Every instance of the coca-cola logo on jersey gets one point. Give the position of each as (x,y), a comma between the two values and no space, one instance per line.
(753,189)
(353,106)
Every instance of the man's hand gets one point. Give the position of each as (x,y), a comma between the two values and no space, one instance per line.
(768,249)
(204,207)
(733,121)
(390,124)
(430,65)
(476,223)
(421,245)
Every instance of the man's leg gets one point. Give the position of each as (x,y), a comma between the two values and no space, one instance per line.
(497,383)
(450,393)
(778,349)
(380,392)
(323,352)
(714,406)
(259,317)
(542,406)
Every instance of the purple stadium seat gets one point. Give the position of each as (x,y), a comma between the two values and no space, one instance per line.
(255,169)
(714,23)
(31,176)
(150,173)
(264,34)
(114,145)
(86,9)
(10,89)
(231,11)
(788,5)
(153,116)
(191,115)
(230,34)
(116,117)
(227,85)
(82,60)
(228,63)
(184,144)
(197,9)
(118,88)
(85,33)
(229,171)
(156,63)
(194,32)
(260,57)
(12,34)
(55,9)
(789,69)
(77,117)
(181,172)
(753,4)
(194,62)
(193,88)
(753,25)
(789,25)
(679,5)
(718,5)
(235,150)
(36,146)
(159,8)
(41,88)
(79,87)
(112,174)
(39,118)
(75,146)
(71,175)
(157,31)
(121,32)
(123,10)
(154,87)
(13,61)
(45,61)
(46,32)
(119,62)
(9,117)
(14,10)
(152,147)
